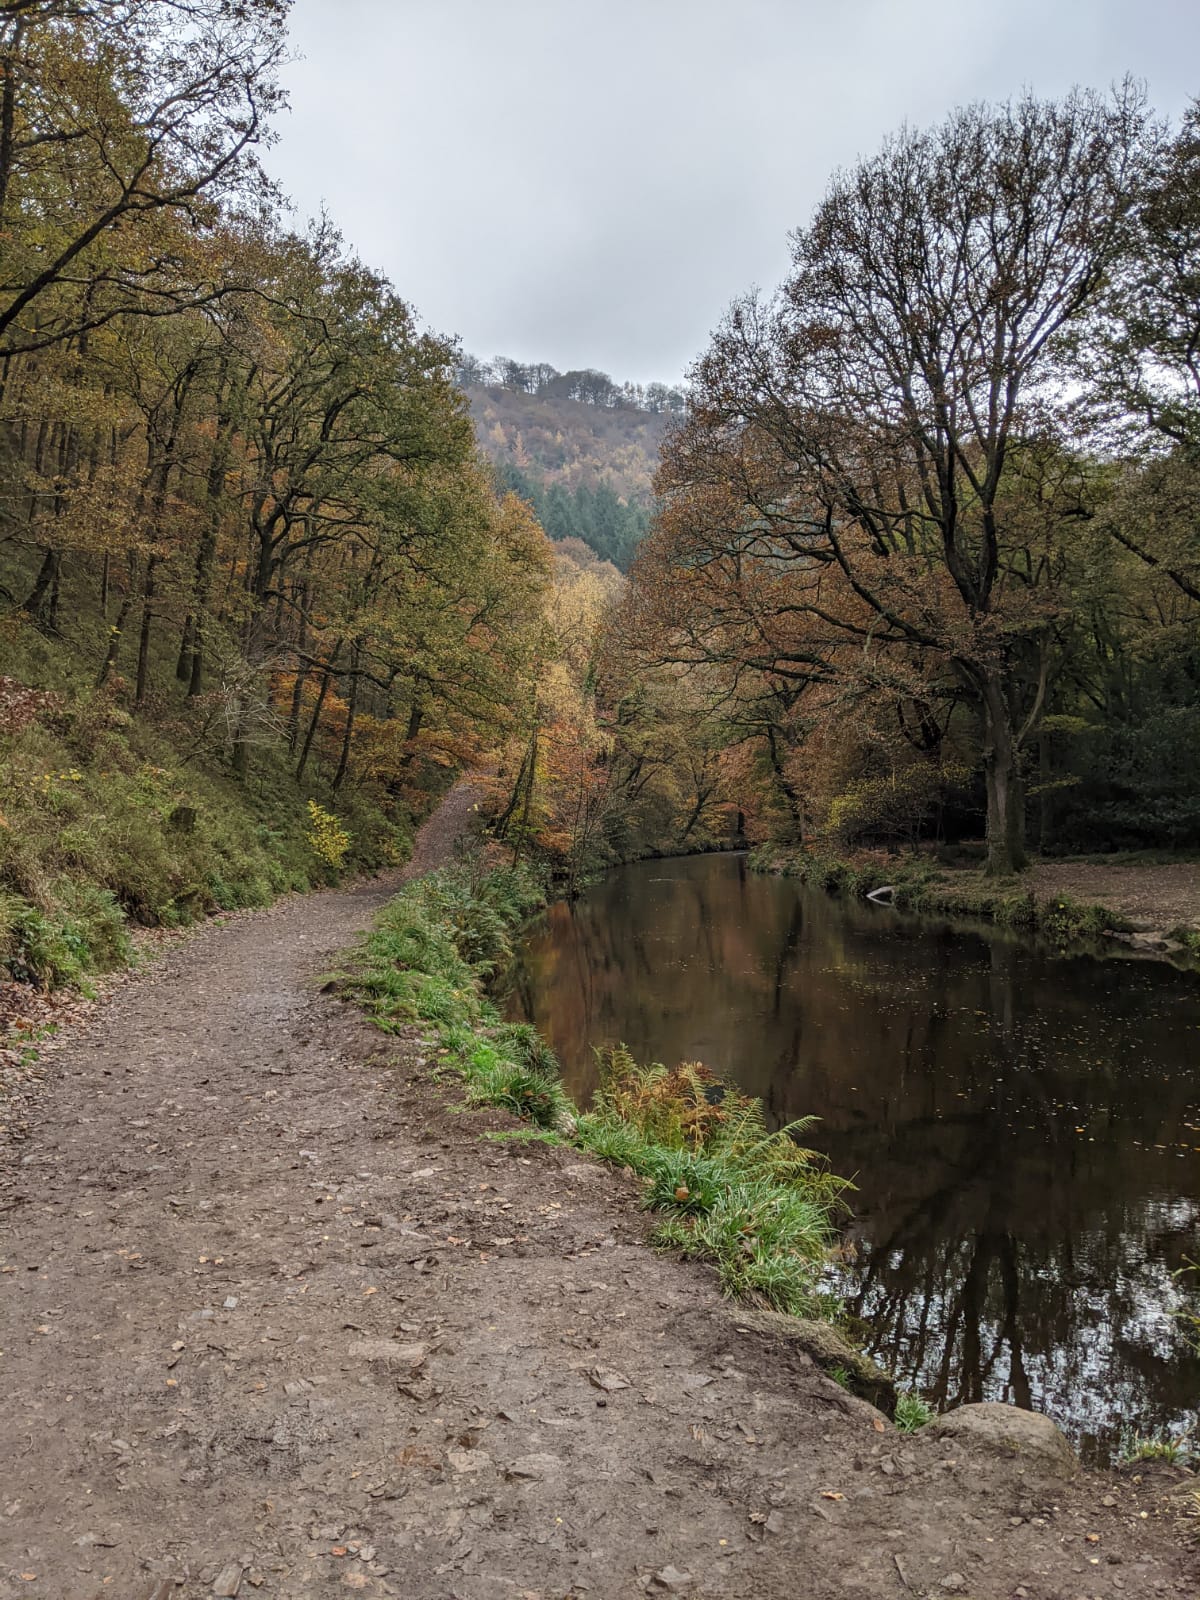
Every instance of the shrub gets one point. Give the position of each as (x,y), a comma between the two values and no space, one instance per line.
(898,805)
(329,840)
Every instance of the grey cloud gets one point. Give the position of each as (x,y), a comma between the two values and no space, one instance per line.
(590,184)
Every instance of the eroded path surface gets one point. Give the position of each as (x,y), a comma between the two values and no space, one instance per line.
(277,1319)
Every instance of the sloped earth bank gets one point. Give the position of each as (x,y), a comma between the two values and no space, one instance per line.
(1153,898)
(278,1320)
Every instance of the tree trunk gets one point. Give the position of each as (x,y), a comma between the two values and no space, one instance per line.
(530,781)
(702,799)
(316,716)
(117,629)
(792,797)
(1005,791)
(351,709)
(35,604)
(10,71)
(183,663)
(528,761)
(143,661)
(55,596)
(206,556)
(416,717)
(301,677)
(298,683)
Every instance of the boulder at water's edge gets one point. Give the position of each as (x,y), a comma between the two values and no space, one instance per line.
(1020,1435)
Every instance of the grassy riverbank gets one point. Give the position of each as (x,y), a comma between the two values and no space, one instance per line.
(753,1202)
(922,885)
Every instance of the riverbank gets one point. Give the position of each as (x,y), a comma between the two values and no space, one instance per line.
(1152,906)
(727,1189)
(280,1315)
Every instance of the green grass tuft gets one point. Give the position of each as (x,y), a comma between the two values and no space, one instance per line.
(522,1136)
(911,1412)
(1175,1450)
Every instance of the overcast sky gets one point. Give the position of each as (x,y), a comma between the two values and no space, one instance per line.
(590,182)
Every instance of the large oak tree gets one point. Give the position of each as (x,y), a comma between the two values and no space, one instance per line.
(867,437)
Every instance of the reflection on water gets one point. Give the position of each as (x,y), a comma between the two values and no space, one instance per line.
(1024,1128)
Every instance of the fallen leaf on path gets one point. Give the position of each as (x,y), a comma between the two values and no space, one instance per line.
(604,1378)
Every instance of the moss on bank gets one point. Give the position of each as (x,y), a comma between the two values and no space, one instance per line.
(922,886)
(107,818)
(727,1189)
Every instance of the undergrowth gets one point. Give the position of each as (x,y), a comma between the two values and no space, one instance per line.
(1175,1449)
(753,1201)
(108,818)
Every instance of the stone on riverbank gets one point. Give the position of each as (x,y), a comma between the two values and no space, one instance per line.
(1021,1435)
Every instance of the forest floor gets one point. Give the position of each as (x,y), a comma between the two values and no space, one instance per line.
(278,1317)
(1153,897)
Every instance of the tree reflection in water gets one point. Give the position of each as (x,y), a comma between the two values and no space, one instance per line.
(1022,1124)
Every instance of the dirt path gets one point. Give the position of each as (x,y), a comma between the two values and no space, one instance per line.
(276,1319)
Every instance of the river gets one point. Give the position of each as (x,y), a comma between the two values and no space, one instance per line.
(1022,1125)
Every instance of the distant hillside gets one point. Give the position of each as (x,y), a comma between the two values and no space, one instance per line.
(580,447)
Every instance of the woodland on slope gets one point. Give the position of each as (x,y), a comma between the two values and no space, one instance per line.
(259,588)
(580,448)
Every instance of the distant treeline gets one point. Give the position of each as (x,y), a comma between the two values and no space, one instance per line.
(612,527)
(586,385)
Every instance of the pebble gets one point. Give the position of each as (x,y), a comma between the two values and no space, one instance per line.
(671,1579)
(535,1466)
(228,1581)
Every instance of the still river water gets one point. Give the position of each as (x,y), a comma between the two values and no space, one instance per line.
(1023,1127)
